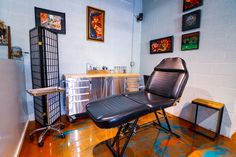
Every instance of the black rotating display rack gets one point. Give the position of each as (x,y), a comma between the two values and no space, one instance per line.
(45,73)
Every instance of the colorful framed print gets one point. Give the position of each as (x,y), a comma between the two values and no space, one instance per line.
(191,4)
(190,41)
(3,34)
(162,45)
(52,20)
(191,20)
(95,24)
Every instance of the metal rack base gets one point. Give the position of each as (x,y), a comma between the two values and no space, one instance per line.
(45,130)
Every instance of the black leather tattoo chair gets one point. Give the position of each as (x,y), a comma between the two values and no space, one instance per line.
(163,89)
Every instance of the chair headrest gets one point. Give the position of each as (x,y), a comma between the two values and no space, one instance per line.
(172,65)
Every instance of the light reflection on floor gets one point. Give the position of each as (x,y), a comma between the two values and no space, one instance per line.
(84,139)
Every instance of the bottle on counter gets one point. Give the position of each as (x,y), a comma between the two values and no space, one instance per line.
(88,67)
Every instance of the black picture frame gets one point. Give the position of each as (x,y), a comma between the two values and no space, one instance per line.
(53,20)
(190,41)
(4,36)
(191,20)
(162,45)
(191,4)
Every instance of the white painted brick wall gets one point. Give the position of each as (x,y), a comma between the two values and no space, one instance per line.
(74,50)
(212,68)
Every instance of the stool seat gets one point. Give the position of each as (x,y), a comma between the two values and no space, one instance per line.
(208,103)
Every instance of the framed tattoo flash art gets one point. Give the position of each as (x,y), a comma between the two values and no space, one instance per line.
(191,20)
(162,45)
(95,24)
(3,34)
(190,41)
(191,4)
(52,20)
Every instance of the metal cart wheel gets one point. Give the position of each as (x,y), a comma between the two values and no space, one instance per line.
(40,144)
(71,119)
(31,137)
(62,135)
(62,126)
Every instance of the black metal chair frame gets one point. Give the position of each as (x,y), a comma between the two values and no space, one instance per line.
(128,129)
(167,122)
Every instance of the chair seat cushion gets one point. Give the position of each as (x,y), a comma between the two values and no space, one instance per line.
(115,110)
(153,101)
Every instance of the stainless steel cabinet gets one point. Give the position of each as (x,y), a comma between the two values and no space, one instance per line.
(77,96)
(81,90)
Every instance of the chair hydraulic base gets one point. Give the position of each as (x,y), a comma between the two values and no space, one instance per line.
(45,130)
(129,129)
(126,130)
(167,122)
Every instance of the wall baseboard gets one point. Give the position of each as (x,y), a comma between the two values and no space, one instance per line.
(18,149)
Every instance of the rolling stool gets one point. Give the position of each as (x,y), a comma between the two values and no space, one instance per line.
(41,92)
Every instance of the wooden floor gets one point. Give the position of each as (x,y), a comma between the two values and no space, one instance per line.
(85,139)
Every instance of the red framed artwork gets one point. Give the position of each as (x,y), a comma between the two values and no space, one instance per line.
(95,24)
(162,45)
(191,4)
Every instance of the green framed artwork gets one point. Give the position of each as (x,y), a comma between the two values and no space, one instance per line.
(190,41)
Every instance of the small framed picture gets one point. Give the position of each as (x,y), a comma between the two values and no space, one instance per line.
(3,34)
(191,20)
(162,45)
(95,24)
(190,41)
(52,20)
(191,4)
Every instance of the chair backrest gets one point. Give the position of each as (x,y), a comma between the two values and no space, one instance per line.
(168,78)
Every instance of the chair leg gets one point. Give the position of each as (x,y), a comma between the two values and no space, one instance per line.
(117,136)
(158,120)
(56,129)
(167,122)
(42,135)
(36,130)
(58,124)
(131,131)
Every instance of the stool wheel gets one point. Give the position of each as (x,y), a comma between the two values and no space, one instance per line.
(62,135)
(71,119)
(31,137)
(40,144)
(62,126)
